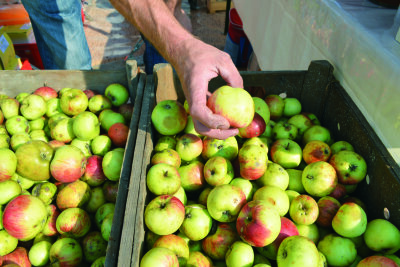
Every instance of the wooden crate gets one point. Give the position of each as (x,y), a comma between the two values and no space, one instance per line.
(214,5)
(14,82)
(320,94)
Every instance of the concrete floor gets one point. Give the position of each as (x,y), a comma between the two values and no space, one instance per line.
(111,38)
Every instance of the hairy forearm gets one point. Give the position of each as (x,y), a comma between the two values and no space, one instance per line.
(157,23)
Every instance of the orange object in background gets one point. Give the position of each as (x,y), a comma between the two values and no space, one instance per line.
(13,14)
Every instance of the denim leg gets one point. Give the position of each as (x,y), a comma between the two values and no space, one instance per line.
(59,33)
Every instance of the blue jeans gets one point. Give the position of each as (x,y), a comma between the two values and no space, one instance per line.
(58,29)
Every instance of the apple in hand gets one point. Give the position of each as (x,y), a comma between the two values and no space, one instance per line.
(286,153)
(117,93)
(338,250)
(234,104)
(164,214)
(351,168)
(303,209)
(328,207)
(169,117)
(197,223)
(253,161)
(189,147)
(163,179)
(33,107)
(276,106)
(175,243)
(254,129)
(258,223)
(239,254)
(227,148)
(382,236)
(73,102)
(224,202)
(350,220)
(218,170)
(297,250)
(217,243)
(319,179)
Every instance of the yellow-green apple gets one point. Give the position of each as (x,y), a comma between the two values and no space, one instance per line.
(275,175)
(286,153)
(292,106)
(217,243)
(376,260)
(24,217)
(197,258)
(224,202)
(311,231)
(239,254)
(33,107)
(297,250)
(275,196)
(50,228)
(86,126)
(117,93)
(39,253)
(45,191)
(100,145)
(247,187)
(295,180)
(218,170)
(73,195)
(338,250)
(319,179)
(303,209)
(53,107)
(181,195)
(66,252)
(189,128)
(98,103)
(351,167)
(258,223)
(197,223)
(316,151)
(39,135)
(112,163)
(109,118)
(25,183)
(192,176)
(254,129)
(34,159)
(8,190)
(260,141)
(8,164)
(163,179)
(165,142)
(350,220)
(9,107)
(164,214)
(276,106)
(73,102)
(4,141)
(341,145)
(46,92)
(189,146)
(17,124)
(193,245)
(382,236)
(234,104)
(175,243)
(169,117)
(102,212)
(62,130)
(93,246)
(253,161)
(261,107)
(317,132)
(288,228)
(268,129)
(68,164)
(291,194)
(328,207)
(73,222)
(37,124)
(159,256)
(7,243)
(19,97)
(284,130)
(302,123)
(227,148)
(94,175)
(169,156)
(202,199)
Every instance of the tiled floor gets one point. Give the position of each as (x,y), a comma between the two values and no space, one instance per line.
(111,38)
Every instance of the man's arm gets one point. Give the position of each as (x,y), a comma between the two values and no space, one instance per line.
(195,62)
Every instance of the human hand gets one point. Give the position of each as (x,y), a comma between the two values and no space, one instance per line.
(196,64)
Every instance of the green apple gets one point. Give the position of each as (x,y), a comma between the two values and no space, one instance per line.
(218,170)
(7,243)
(97,103)
(341,145)
(18,139)
(291,194)
(351,167)
(66,251)
(25,183)
(193,245)
(165,142)
(275,196)
(8,190)
(284,130)
(234,104)
(62,130)
(73,101)
(163,179)
(181,195)
(112,164)
(295,180)
(317,132)
(39,135)
(109,118)
(382,236)
(203,196)
(39,253)
(260,141)
(9,107)
(86,126)
(102,212)
(169,117)
(117,93)
(239,254)
(286,153)
(93,246)
(21,96)
(83,145)
(5,141)
(350,220)
(227,148)
(197,223)
(261,107)
(310,231)
(338,250)
(292,106)
(106,226)
(37,124)
(302,123)
(189,128)
(248,187)
(175,243)
(96,200)
(299,251)
(53,107)
(303,209)
(52,121)
(100,145)
(275,175)
(17,124)
(45,192)
(33,107)
(268,129)
(319,179)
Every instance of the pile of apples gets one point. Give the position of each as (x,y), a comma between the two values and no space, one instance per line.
(277,194)
(61,156)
